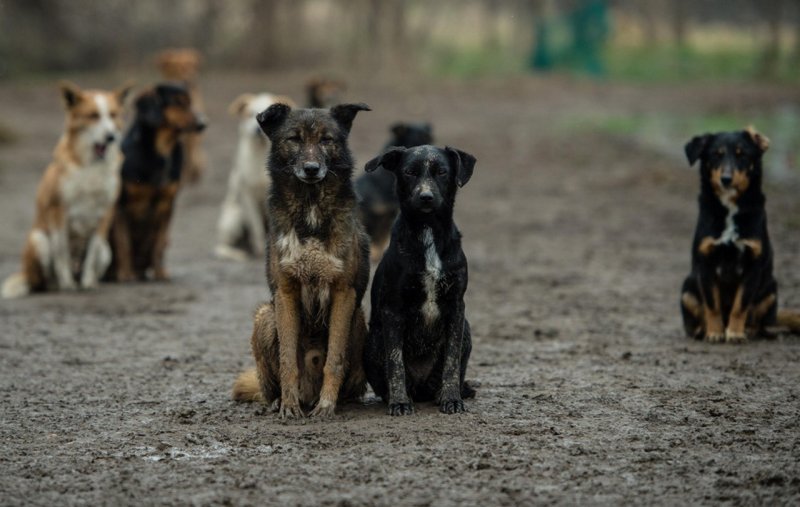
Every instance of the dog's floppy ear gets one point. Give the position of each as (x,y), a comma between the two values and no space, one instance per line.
(148,108)
(389,160)
(272,117)
(760,140)
(694,148)
(399,129)
(70,92)
(239,104)
(463,162)
(344,114)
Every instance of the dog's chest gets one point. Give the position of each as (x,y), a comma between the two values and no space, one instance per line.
(88,193)
(431,276)
(730,233)
(308,260)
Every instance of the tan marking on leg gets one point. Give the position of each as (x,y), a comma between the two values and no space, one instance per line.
(715,331)
(343,300)
(692,304)
(735,333)
(707,246)
(754,245)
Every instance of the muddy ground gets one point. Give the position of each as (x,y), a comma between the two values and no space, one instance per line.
(577,242)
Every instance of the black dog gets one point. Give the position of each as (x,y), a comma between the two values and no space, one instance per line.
(419,340)
(731,291)
(151,172)
(377,199)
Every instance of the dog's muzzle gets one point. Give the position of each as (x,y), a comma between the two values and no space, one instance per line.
(312,172)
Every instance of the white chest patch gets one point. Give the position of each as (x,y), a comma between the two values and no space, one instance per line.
(308,261)
(88,193)
(430,277)
(730,233)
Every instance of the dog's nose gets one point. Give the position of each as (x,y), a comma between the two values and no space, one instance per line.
(311,168)
(726,181)
(200,123)
(426,196)
(110,138)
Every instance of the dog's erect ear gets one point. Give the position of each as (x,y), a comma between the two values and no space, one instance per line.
(760,140)
(239,104)
(428,128)
(694,148)
(399,129)
(463,162)
(148,108)
(344,114)
(389,160)
(70,92)
(272,118)
(123,91)
(285,99)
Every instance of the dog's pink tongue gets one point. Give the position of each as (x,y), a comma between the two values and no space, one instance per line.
(100,150)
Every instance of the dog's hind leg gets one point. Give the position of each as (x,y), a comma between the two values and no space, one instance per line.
(692,308)
(37,267)
(343,302)
(254,221)
(229,229)
(264,343)
(467,391)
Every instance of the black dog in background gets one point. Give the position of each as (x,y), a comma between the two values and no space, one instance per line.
(377,199)
(419,340)
(731,292)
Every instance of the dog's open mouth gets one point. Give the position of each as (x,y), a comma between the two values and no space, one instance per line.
(100,150)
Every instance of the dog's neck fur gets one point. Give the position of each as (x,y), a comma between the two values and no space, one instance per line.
(157,148)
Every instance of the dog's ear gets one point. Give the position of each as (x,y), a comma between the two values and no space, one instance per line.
(123,91)
(239,104)
(149,108)
(285,99)
(344,114)
(760,140)
(272,118)
(389,160)
(428,128)
(463,162)
(70,92)
(399,129)
(695,147)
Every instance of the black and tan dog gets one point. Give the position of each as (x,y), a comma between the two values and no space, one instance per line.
(151,175)
(308,341)
(419,339)
(731,292)
(324,92)
(377,198)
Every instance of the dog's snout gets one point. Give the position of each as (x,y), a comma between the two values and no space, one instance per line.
(111,137)
(726,180)
(311,168)
(426,196)
(200,123)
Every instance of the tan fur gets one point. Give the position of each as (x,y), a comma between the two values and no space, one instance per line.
(737,319)
(707,246)
(754,245)
(713,318)
(66,247)
(789,319)
(183,65)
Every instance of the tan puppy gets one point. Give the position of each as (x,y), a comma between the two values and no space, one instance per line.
(242,222)
(183,65)
(67,246)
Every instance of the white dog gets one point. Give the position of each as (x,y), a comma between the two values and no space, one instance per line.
(243,223)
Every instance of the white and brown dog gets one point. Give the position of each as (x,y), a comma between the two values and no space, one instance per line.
(67,246)
(242,223)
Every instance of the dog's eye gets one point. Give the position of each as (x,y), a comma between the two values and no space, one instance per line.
(410,171)
(94,116)
(738,152)
(114,115)
(442,171)
(327,140)
(294,139)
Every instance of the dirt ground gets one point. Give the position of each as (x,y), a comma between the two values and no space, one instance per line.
(589,392)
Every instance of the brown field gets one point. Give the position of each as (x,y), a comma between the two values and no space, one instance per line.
(589,392)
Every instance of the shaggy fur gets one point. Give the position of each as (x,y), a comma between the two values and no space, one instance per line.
(419,339)
(67,246)
(150,181)
(308,341)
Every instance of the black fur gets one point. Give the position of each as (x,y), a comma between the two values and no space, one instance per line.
(408,357)
(377,198)
(729,263)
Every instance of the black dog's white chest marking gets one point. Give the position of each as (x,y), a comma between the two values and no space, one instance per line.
(430,277)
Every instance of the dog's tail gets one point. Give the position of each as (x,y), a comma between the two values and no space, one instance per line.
(16,286)
(246,387)
(789,319)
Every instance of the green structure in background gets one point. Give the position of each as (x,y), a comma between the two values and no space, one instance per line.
(574,41)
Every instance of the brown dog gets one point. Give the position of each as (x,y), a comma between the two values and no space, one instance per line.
(182,65)
(308,341)
(67,246)
(150,180)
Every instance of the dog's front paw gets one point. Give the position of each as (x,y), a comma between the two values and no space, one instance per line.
(290,409)
(455,406)
(735,337)
(715,337)
(324,409)
(401,408)
(160,275)
(126,276)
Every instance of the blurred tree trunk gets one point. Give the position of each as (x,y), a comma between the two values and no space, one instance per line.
(263,50)
(679,22)
(770,59)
